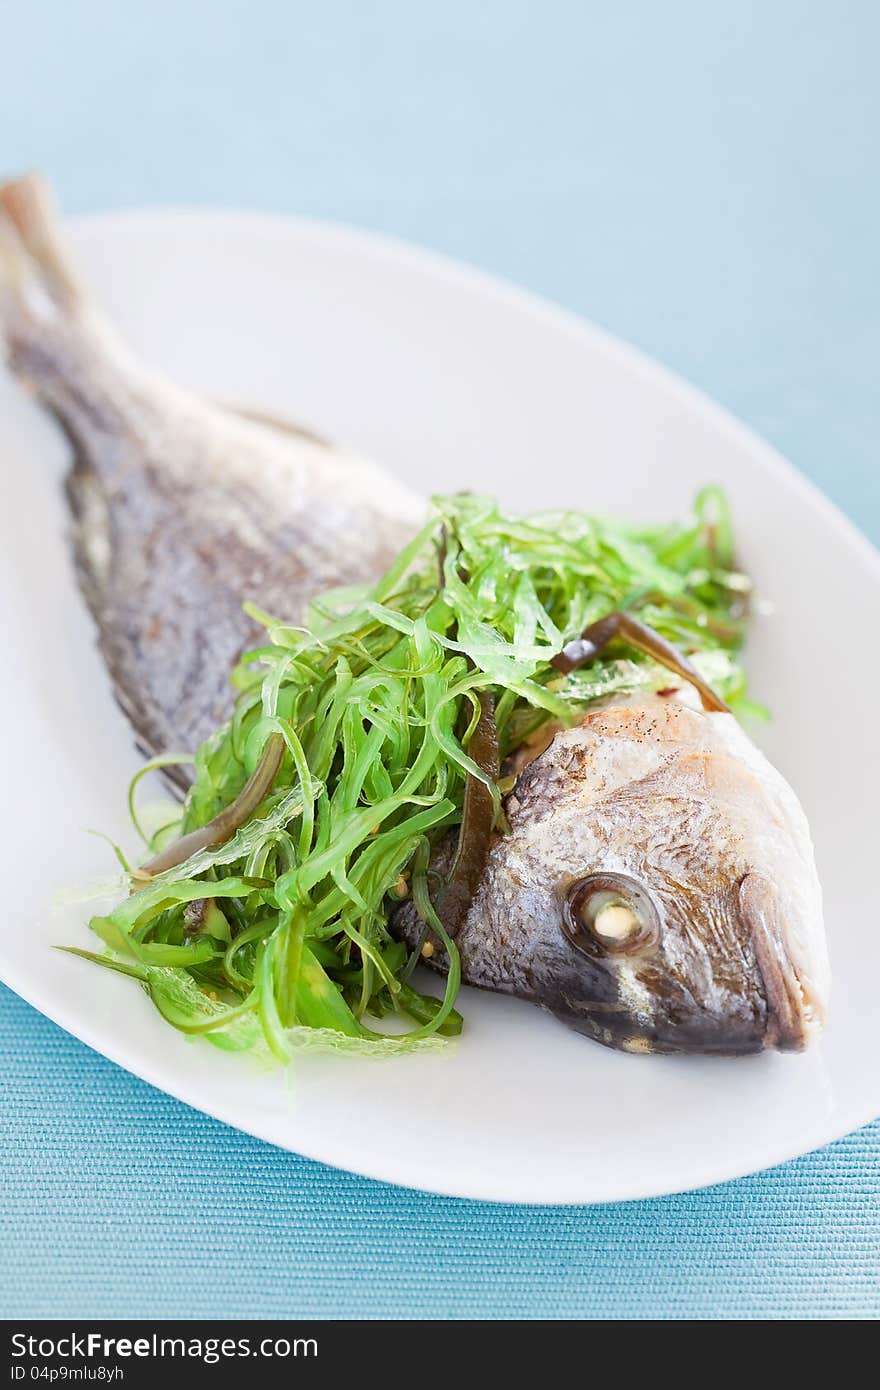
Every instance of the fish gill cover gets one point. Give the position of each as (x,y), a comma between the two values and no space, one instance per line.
(350,750)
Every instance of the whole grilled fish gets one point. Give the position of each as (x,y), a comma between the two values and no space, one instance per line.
(657,888)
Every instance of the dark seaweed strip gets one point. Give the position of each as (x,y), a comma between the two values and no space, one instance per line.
(225,824)
(477,821)
(597,635)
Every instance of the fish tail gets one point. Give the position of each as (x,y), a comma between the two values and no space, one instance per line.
(51,335)
(31,251)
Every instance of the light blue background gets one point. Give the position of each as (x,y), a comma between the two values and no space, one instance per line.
(701,178)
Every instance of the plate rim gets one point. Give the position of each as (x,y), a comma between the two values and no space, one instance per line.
(640,365)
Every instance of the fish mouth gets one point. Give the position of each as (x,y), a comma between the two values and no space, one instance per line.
(779,1004)
(660,1016)
(790,1024)
(616,1029)
(795,1005)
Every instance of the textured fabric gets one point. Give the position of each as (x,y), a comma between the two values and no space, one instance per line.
(701,179)
(118,1201)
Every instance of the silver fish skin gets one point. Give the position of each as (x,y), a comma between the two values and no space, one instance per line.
(180,509)
(701,841)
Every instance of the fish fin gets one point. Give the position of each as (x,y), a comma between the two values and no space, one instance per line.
(29,213)
(278,424)
(14,267)
(52,336)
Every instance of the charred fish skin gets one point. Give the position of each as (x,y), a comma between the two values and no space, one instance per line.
(657,889)
(181,510)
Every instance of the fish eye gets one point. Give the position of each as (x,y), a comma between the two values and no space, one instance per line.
(609,914)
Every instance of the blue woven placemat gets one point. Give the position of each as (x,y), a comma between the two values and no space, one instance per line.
(703,180)
(118,1201)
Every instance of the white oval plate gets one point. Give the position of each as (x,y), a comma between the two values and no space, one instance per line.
(454,381)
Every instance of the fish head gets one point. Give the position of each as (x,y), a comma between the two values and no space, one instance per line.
(657,889)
